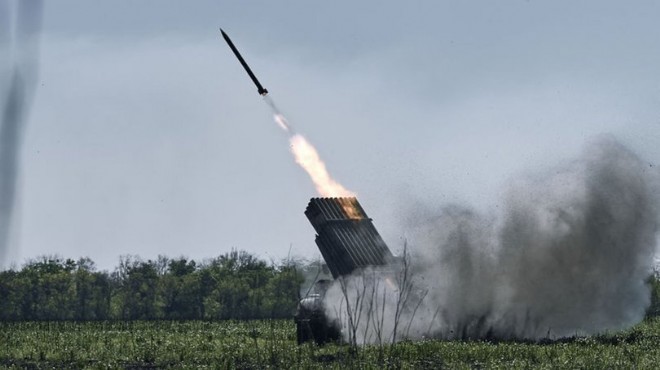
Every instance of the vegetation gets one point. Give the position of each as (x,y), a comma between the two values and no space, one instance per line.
(272,344)
(236,285)
(239,286)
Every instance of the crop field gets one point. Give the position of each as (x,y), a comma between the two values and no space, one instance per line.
(271,344)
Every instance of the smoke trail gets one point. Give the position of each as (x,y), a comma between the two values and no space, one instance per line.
(569,254)
(309,159)
(19,73)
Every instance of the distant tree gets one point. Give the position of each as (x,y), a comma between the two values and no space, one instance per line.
(49,289)
(180,290)
(92,292)
(283,292)
(136,283)
(12,290)
(240,281)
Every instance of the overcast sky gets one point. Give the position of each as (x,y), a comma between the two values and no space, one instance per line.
(146,137)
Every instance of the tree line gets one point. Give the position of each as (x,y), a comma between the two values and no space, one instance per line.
(236,285)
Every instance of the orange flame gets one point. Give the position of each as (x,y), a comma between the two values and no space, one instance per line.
(349,205)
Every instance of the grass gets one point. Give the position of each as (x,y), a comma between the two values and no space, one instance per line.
(271,344)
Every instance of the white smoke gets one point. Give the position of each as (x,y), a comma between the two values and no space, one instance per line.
(20,23)
(567,253)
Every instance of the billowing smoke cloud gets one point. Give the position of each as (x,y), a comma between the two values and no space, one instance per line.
(19,29)
(567,253)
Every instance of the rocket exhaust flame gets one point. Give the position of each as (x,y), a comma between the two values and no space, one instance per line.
(281,121)
(278,117)
(309,159)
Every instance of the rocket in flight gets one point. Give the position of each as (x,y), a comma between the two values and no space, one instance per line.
(262,91)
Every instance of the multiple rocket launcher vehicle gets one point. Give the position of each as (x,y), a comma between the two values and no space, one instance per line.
(347,240)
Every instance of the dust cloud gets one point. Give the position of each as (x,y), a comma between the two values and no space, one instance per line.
(567,252)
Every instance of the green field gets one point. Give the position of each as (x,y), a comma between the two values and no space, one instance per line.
(271,344)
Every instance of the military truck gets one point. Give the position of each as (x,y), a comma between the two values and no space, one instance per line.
(348,240)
